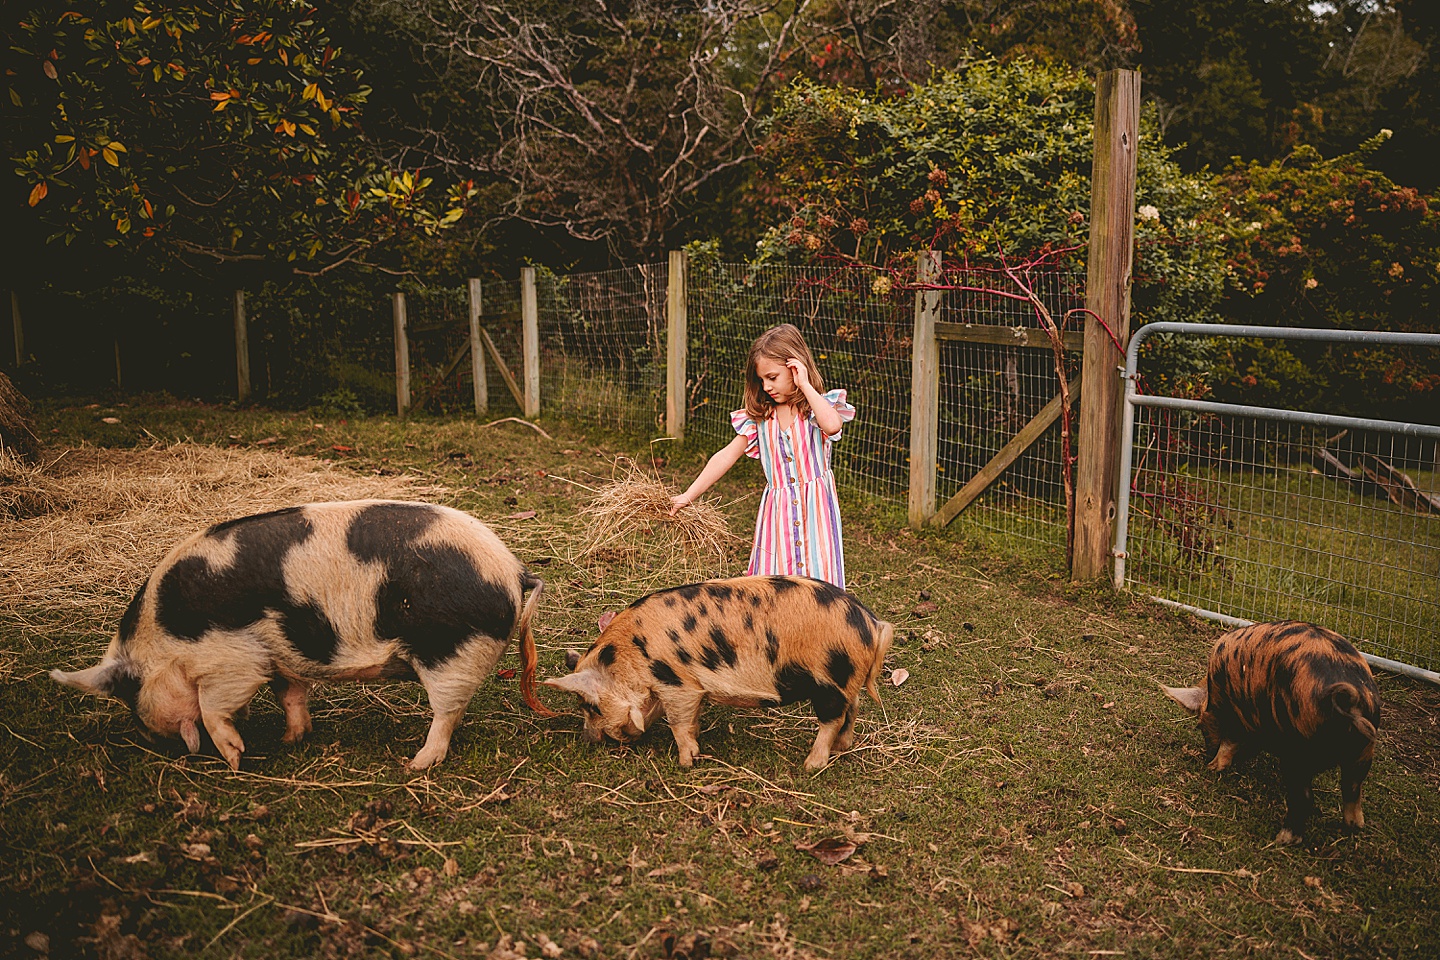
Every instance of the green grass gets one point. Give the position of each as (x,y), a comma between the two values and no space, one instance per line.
(1026,793)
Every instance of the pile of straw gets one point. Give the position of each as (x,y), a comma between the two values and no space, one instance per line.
(82,529)
(629,522)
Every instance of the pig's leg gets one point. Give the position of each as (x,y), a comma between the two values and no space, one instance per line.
(294,697)
(1352,777)
(1224,756)
(450,686)
(220,700)
(682,710)
(1299,803)
(846,738)
(825,741)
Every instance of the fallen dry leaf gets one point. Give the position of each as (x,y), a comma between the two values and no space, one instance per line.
(899,675)
(830,851)
(267,441)
(341,448)
(522,515)
(507,674)
(109,419)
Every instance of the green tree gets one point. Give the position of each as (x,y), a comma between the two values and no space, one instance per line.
(213,132)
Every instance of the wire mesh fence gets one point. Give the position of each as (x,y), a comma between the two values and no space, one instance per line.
(1256,515)
(989,392)
(602,346)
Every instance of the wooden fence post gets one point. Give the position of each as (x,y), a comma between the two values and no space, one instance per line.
(675,348)
(1107,294)
(19,329)
(924,392)
(530,340)
(242,350)
(477,352)
(402,358)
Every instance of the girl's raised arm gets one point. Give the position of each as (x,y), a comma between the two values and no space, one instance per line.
(720,462)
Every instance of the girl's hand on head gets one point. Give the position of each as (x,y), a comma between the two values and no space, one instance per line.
(678,501)
(798,371)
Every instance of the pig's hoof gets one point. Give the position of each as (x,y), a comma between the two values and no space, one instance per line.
(817,762)
(687,757)
(1285,837)
(1354,818)
(426,759)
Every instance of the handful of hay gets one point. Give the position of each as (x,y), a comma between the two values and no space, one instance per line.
(629,520)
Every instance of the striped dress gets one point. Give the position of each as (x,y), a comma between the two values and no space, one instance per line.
(798,530)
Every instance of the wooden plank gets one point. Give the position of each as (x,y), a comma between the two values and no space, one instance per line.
(478,382)
(1107,295)
(675,346)
(505,373)
(924,393)
(242,350)
(998,464)
(1006,336)
(530,342)
(402,356)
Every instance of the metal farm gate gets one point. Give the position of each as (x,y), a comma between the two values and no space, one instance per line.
(1243,514)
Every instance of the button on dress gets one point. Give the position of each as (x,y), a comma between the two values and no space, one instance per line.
(797,532)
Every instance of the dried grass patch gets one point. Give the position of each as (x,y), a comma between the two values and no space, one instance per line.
(628,523)
(82,529)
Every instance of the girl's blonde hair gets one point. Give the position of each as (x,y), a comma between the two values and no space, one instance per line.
(778,344)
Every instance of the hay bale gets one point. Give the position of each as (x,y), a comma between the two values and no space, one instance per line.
(629,524)
(80,532)
(17,436)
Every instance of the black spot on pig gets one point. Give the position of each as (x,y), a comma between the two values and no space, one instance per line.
(783,584)
(690,591)
(683,655)
(718,650)
(124,685)
(640,645)
(131,618)
(772,646)
(826,594)
(794,683)
(607,654)
(859,619)
(380,532)
(689,623)
(433,599)
(840,667)
(663,672)
(309,631)
(192,598)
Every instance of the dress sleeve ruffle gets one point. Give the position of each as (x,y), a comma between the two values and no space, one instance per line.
(746,428)
(846,411)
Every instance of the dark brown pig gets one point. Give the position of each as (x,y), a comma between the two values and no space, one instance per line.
(329,591)
(748,641)
(1300,692)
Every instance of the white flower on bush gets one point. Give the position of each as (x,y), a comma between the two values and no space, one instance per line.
(881,286)
(1148,212)
(1311,283)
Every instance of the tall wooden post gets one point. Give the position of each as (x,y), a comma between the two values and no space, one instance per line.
(402,358)
(675,352)
(477,352)
(924,393)
(19,329)
(242,350)
(1107,293)
(530,340)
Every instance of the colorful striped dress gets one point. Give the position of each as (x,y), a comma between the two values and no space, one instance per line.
(798,530)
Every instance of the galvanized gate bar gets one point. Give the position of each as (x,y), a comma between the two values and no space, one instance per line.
(1133,399)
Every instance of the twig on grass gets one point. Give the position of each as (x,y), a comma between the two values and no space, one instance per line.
(518,420)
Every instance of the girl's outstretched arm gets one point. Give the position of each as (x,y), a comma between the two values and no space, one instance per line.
(721,461)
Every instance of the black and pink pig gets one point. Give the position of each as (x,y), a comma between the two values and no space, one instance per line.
(356,590)
(747,641)
(1299,692)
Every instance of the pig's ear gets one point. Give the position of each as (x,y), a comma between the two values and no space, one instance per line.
(1191,698)
(98,681)
(637,717)
(190,735)
(586,683)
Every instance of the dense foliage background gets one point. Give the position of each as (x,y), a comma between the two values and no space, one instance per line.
(164,155)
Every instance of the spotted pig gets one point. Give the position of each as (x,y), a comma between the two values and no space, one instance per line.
(329,591)
(1300,692)
(748,641)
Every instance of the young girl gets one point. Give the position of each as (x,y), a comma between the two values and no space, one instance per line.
(788,425)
